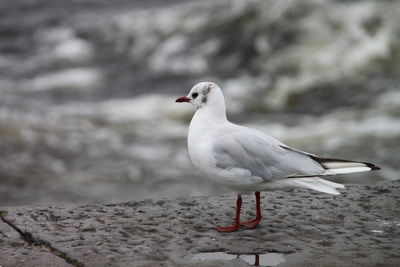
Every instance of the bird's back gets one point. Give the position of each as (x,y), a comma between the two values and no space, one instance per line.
(262,155)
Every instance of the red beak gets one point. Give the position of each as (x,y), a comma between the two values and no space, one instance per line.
(183,99)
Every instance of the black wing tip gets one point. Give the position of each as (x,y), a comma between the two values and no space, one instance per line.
(370,165)
(373,167)
(323,160)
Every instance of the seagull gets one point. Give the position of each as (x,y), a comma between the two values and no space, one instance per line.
(246,160)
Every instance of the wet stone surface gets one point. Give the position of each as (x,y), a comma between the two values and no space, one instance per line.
(16,251)
(360,227)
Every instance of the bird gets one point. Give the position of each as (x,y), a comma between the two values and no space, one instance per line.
(246,160)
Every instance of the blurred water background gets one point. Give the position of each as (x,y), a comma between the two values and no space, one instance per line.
(87,89)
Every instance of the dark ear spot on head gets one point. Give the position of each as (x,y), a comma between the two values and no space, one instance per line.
(207,88)
(204,99)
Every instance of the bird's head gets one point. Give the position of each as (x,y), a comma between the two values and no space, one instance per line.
(204,94)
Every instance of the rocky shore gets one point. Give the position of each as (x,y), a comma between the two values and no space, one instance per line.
(360,227)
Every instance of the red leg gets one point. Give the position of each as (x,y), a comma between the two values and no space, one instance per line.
(257,260)
(254,222)
(236,226)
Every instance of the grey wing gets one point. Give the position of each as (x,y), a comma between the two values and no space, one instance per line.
(253,152)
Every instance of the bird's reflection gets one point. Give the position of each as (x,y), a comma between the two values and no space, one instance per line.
(266,259)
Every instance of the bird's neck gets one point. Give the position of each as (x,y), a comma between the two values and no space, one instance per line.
(210,116)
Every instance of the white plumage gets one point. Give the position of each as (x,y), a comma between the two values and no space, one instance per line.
(247,160)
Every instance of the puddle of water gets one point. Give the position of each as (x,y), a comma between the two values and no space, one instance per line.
(267,259)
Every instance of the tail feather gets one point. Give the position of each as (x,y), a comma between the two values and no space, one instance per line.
(340,166)
(329,163)
(331,167)
(335,171)
(317,184)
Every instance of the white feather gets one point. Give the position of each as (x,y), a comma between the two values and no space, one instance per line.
(346,170)
(339,164)
(317,184)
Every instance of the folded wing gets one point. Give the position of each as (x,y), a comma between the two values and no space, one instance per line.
(247,151)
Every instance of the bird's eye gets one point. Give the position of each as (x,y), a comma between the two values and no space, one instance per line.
(194,95)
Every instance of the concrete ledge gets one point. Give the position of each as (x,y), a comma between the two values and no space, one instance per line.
(361,227)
